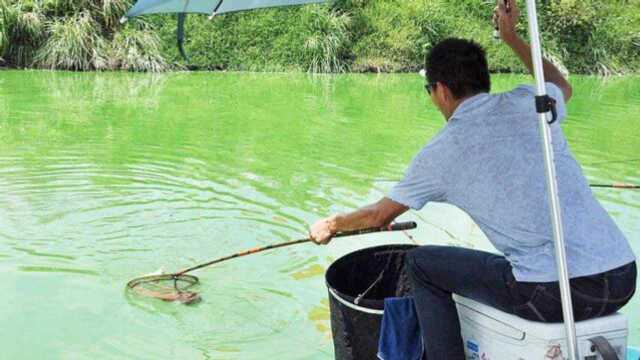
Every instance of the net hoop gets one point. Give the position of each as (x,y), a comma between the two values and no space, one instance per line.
(190,279)
(179,290)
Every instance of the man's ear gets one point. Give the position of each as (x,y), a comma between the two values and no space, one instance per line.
(444,94)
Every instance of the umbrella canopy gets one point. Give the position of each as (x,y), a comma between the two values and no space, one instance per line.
(210,7)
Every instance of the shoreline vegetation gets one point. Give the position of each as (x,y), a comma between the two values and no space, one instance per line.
(341,36)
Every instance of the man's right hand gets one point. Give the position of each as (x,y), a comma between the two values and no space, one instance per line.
(322,231)
(378,214)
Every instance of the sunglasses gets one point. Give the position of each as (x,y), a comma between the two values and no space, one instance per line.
(429,87)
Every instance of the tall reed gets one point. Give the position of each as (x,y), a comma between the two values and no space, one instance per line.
(326,41)
(22,32)
(76,35)
(137,50)
(74,43)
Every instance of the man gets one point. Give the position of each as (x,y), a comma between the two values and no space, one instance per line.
(488,161)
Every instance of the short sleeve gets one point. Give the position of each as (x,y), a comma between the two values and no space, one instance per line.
(554,92)
(422,180)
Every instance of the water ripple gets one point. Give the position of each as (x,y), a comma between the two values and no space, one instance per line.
(96,183)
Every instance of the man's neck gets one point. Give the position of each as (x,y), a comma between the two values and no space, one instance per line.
(454,106)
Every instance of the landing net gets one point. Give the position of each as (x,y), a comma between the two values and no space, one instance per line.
(167,287)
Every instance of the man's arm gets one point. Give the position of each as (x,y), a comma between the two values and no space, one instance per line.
(377,214)
(507,24)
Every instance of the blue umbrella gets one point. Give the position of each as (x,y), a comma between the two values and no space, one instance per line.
(210,7)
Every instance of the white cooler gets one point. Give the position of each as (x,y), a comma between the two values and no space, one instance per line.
(490,334)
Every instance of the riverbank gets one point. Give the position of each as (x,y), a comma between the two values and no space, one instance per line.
(346,36)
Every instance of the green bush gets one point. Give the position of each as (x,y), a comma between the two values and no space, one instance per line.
(111,11)
(74,43)
(580,36)
(325,40)
(136,50)
(4,38)
(76,35)
(22,33)
(594,36)
(310,38)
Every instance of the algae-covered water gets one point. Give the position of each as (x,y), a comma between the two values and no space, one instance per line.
(106,176)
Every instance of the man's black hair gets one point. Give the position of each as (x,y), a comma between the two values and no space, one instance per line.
(459,64)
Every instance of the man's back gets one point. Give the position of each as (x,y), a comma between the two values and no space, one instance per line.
(488,162)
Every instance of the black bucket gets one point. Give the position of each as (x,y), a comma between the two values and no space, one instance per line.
(358,284)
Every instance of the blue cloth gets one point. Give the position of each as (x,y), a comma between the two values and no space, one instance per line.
(633,353)
(400,337)
(488,161)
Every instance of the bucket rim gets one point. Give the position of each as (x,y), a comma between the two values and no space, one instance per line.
(347,303)
(362,251)
(347,300)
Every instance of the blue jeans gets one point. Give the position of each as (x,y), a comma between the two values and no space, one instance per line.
(436,272)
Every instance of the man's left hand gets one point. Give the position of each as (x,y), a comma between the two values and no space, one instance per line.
(505,16)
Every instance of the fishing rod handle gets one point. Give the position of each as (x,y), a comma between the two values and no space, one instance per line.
(617,186)
(407,225)
(391,227)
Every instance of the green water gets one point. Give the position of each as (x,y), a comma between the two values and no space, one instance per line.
(104,177)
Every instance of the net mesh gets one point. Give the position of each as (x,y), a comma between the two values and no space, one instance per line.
(167,287)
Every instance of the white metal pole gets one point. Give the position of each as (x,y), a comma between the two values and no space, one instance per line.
(552,186)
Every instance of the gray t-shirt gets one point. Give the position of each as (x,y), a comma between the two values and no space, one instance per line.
(488,162)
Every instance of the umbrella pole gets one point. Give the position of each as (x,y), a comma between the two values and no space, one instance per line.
(552,186)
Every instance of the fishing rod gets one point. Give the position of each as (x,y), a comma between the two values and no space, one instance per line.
(174,287)
(616,186)
(613,161)
(393,227)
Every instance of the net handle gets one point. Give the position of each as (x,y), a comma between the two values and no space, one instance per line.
(391,227)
